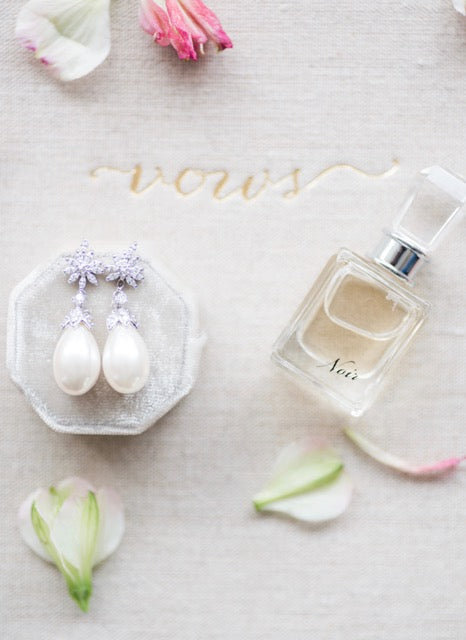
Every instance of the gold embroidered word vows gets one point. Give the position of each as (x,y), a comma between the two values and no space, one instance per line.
(191,180)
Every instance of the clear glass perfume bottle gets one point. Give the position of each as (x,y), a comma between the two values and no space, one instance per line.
(361,314)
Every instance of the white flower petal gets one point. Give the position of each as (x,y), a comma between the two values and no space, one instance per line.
(75,486)
(301,467)
(66,531)
(460,5)
(111,523)
(308,484)
(46,503)
(321,504)
(77,526)
(71,37)
(27,530)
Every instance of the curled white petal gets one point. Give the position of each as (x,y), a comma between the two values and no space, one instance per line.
(71,37)
(460,5)
(319,505)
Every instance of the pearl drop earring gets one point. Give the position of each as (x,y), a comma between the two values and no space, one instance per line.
(125,360)
(76,359)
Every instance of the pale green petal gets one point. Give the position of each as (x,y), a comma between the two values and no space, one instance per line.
(27,530)
(321,504)
(42,531)
(300,469)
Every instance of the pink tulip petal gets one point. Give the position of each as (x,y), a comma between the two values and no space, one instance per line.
(394,462)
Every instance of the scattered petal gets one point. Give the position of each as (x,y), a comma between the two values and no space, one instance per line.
(186,25)
(75,527)
(394,462)
(319,505)
(460,5)
(154,20)
(207,23)
(308,484)
(71,37)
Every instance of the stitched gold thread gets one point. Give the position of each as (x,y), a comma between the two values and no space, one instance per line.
(220,184)
(246,190)
(179,181)
(249,190)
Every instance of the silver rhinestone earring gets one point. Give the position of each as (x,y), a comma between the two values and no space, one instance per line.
(125,360)
(76,359)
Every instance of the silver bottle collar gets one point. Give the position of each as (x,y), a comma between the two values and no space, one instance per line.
(395,254)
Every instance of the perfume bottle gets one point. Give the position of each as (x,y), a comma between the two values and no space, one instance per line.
(361,313)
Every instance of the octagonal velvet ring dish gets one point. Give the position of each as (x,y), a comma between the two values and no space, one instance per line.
(168,322)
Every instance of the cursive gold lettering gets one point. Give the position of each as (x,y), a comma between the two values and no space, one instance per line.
(192,180)
(248,183)
(183,174)
(225,176)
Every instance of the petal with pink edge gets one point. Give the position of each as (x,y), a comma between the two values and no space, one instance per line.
(399,464)
(71,37)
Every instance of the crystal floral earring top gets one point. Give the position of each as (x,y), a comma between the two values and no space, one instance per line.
(361,314)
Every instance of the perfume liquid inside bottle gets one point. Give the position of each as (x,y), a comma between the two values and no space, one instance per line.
(361,314)
(354,323)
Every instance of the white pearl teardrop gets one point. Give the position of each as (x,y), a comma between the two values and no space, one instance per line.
(76,361)
(125,360)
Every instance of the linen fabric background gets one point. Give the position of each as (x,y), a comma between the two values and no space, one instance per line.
(307,86)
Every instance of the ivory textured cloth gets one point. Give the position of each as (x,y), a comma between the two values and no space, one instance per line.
(206,165)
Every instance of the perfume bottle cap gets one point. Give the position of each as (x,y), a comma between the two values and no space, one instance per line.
(432,206)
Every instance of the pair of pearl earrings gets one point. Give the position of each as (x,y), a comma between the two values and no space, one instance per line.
(125,359)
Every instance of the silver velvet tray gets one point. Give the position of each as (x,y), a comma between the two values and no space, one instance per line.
(168,323)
